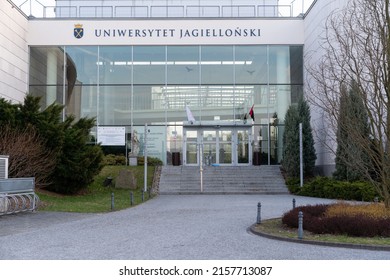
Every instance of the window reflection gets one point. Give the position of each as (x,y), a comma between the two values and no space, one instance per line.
(223,81)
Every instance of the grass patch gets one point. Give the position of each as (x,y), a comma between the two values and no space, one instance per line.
(275,227)
(97,198)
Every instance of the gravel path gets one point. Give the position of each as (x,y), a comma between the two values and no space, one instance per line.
(166,227)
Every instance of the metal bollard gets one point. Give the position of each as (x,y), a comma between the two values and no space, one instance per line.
(376,199)
(293,203)
(149,193)
(300,225)
(143,196)
(131,199)
(112,202)
(258,213)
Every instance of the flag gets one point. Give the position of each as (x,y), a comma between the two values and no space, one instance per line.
(252,113)
(190,117)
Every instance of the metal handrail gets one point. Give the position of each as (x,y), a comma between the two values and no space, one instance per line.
(186,11)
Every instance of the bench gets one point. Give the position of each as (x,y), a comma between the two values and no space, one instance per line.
(17,195)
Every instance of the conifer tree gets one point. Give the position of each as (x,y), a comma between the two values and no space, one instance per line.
(309,153)
(352,127)
(290,160)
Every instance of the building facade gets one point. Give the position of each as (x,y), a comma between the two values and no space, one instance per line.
(190,70)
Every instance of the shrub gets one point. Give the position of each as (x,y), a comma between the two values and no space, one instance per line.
(353,220)
(78,163)
(329,188)
(291,218)
(376,211)
(293,185)
(71,163)
(152,161)
(28,154)
(111,159)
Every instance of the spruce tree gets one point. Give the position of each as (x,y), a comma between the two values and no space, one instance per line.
(309,153)
(342,138)
(352,128)
(290,160)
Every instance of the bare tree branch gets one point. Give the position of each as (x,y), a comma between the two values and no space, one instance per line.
(28,155)
(356,48)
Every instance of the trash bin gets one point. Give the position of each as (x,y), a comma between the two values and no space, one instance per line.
(176,158)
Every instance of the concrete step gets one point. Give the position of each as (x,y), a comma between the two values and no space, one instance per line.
(221,179)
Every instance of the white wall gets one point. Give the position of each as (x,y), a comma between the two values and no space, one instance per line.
(314,24)
(13,53)
(166,32)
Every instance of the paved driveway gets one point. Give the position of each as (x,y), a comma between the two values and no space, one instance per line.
(166,227)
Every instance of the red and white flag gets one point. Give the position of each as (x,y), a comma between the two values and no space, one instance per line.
(252,113)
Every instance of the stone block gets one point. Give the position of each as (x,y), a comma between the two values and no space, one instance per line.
(126,180)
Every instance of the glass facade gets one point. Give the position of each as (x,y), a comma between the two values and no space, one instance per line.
(133,85)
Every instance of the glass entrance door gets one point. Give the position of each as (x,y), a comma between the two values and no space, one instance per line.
(191,153)
(210,147)
(225,147)
(222,146)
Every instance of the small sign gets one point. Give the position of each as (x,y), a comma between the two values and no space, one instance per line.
(111,136)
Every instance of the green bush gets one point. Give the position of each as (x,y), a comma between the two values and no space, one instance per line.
(76,162)
(326,187)
(114,160)
(293,185)
(152,161)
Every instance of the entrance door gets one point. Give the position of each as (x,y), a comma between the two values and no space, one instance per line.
(225,150)
(217,146)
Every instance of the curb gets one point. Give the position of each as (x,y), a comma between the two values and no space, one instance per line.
(252,230)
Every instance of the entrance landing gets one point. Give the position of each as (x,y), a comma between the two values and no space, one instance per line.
(222,180)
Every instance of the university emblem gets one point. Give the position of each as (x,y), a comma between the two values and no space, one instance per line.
(78,31)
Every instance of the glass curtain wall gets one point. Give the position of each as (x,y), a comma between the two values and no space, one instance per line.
(133,85)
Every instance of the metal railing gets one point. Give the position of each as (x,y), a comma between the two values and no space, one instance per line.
(39,9)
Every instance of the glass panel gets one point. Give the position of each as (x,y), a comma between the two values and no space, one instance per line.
(225,147)
(84,60)
(114,105)
(183,65)
(243,146)
(209,147)
(192,153)
(209,153)
(46,74)
(149,64)
(279,101)
(217,65)
(279,64)
(115,65)
(261,136)
(143,97)
(296,65)
(251,64)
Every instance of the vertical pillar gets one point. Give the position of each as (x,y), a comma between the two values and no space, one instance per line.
(51,77)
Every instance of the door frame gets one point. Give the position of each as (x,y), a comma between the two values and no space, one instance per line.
(217,127)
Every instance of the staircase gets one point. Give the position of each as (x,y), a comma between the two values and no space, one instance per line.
(264,179)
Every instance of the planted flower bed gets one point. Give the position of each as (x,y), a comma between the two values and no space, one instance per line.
(367,220)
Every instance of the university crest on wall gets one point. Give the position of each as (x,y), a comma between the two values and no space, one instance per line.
(78,31)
